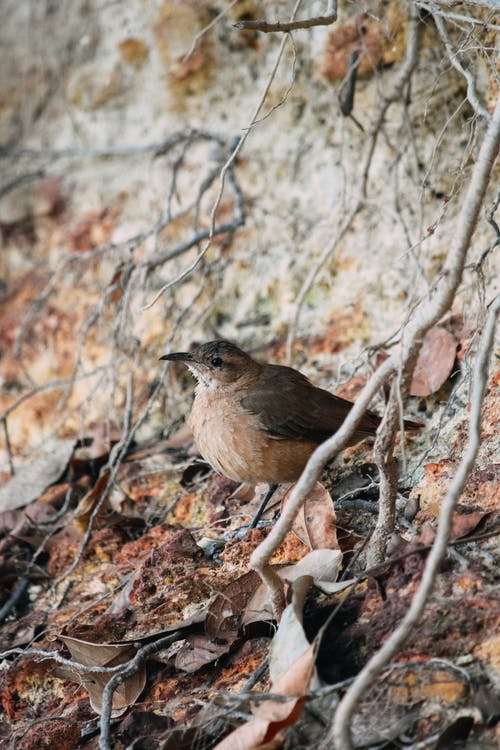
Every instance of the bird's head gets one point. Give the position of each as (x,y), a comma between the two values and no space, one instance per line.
(216,363)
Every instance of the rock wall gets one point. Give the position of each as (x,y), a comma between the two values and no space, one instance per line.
(116,121)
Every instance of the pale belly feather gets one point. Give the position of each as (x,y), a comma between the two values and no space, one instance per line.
(228,447)
(234,444)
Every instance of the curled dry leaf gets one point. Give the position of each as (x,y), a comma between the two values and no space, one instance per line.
(22,630)
(315,522)
(26,524)
(89,502)
(464,523)
(32,479)
(224,614)
(103,655)
(290,641)
(323,567)
(265,730)
(435,362)
(199,650)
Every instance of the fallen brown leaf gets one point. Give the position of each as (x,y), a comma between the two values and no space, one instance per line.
(290,641)
(272,717)
(88,503)
(321,564)
(199,650)
(315,522)
(103,655)
(435,362)
(225,613)
(464,523)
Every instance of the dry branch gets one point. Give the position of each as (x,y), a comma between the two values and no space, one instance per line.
(306,23)
(340,732)
(455,61)
(123,672)
(423,318)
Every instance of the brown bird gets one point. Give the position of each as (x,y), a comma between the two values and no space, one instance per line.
(259,422)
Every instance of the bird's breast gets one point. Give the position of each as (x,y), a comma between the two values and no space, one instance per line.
(233,442)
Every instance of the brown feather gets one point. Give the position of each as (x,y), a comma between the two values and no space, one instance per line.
(290,407)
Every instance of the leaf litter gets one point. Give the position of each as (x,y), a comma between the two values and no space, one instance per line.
(149,570)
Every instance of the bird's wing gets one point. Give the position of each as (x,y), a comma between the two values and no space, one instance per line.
(290,407)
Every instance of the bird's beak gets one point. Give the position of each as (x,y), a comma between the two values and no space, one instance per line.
(179,356)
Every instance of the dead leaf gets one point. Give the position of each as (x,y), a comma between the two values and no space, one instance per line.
(224,614)
(464,523)
(22,630)
(32,479)
(28,524)
(290,641)
(435,362)
(321,564)
(103,655)
(250,493)
(315,522)
(323,567)
(199,650)
(88,503)
(272,717)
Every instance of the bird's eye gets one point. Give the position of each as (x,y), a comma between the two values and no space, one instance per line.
(216,361)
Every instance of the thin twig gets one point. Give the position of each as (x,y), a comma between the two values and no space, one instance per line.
(18,591)
(307,23)
(454,60)
(207,28)
(434,10)
(52,385)
(76,152)
(40,655)
(21,180)
(496,241)
(8,446)
(182,247)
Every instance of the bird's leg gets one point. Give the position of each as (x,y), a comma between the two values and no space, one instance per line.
(255,520)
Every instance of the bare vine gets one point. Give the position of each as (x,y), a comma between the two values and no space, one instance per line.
(426,315)
(340,732)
